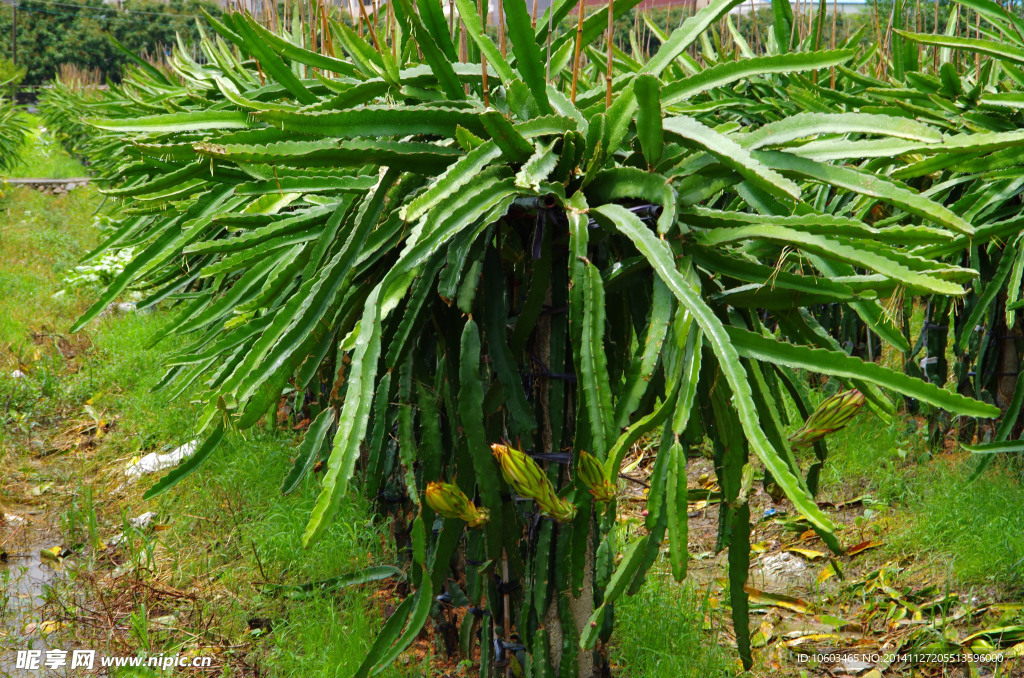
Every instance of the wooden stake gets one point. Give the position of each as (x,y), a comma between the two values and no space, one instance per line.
(328,38)
(878,39)
(757,29)
(369,26)
(463,50)
(483,62)
(392,20)
(608,73)
(547,45)
(917,27)
(576,54)
(832,44)
(451,19)
(977,56)
(312,32)
(501,27)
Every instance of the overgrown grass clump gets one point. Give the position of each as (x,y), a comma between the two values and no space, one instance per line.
(972,529)
(668,631)
(976,529)
(41,239)
(232,532)
(42,156)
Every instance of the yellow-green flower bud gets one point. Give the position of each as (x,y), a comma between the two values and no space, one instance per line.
(833,414)
(449,501)
(557,508)
(591,473)
(524,474)
(528,479)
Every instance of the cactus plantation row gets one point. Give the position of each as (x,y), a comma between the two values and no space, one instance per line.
(488,268)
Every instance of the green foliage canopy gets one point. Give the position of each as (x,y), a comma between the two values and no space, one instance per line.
(78,32)
(444,264)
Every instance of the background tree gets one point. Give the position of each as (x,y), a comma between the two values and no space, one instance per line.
(79,31)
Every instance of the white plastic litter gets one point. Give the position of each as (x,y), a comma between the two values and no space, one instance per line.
(784,564)
(143,521)
(18,374)
(781,570)
(153,462)
(12,519)
(140,523)
(120,308)
(853,666)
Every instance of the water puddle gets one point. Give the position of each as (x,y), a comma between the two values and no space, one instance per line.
(25,576)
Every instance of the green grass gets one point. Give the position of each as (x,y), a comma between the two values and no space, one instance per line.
(119,375)
(873,457)
(230,521)
(972,530)
(43,158)
(41,239)
(661,633)
(976,529)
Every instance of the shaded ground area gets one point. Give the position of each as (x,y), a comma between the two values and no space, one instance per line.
(932,568)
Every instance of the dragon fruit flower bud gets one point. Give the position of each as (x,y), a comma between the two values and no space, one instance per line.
(591,473)
(833,414)
(449,501)
(528,480)
(553,506)
(524,474)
